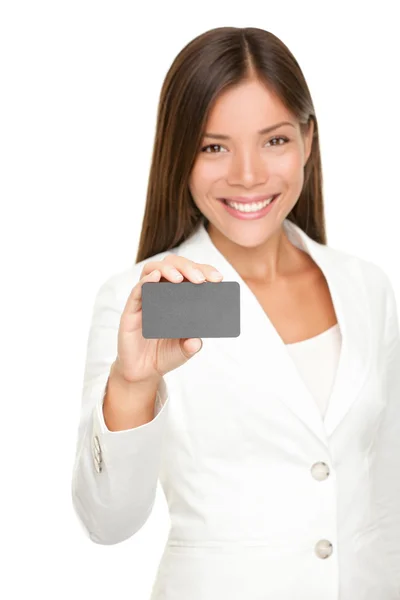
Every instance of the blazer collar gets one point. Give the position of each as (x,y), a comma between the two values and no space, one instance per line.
(260,351)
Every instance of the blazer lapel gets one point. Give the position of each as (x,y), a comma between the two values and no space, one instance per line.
(261,352)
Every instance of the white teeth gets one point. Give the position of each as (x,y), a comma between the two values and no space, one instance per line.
(253,207)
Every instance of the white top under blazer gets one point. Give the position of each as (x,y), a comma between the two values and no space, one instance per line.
(316,360)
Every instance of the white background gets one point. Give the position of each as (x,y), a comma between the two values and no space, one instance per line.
(79,90)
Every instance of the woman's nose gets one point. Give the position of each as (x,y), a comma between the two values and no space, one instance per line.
(247,169)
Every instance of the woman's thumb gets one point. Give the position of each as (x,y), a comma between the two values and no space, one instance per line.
(191,346)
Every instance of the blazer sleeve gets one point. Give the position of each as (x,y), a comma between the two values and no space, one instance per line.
(386,458)
(115,474)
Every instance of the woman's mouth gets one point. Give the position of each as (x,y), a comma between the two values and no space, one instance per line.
(249,211)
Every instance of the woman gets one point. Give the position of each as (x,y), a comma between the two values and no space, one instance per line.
(278,451)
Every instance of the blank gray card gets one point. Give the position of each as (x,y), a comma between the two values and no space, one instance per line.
(190,310)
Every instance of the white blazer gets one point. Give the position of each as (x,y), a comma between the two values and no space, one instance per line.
(267,500)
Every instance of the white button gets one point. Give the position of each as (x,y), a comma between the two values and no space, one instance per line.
(97,455)
(320,471)
(323,548)
(98,461)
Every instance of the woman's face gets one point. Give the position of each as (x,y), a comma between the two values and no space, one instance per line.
(248,163)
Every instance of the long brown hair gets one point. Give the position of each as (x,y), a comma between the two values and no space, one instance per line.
(214,61)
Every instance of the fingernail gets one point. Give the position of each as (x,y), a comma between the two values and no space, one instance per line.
(216,275)
(197,346)
(176,275)
(198,275)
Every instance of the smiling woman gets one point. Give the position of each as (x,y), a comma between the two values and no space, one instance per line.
(278,451)
(262,163)
(236,135)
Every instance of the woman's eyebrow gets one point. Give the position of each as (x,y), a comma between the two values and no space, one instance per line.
(219,136)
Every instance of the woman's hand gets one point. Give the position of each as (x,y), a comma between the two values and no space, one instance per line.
(146,360)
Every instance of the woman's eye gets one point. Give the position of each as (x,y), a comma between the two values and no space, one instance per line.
(211,146)
(274,139)
(279,137)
